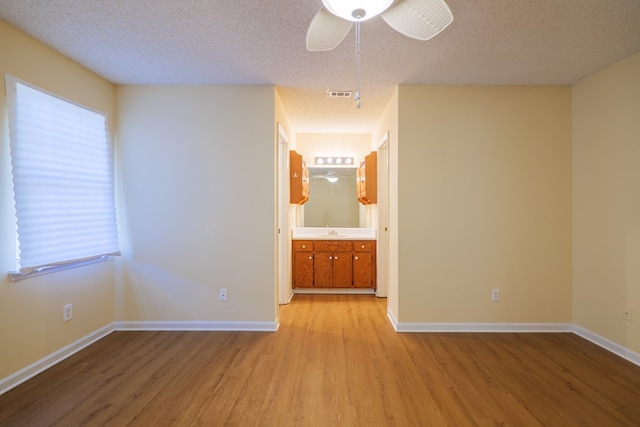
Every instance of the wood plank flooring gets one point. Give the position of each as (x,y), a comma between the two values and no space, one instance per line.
(335,361)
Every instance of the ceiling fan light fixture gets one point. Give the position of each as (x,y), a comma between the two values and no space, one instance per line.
(357,10)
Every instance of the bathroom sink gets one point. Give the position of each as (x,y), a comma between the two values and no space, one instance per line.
(321,233)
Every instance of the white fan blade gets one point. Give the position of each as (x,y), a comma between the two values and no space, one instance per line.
(419,19)
(326,31)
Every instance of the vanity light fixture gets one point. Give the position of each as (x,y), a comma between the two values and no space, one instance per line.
(332,179)
(332,160)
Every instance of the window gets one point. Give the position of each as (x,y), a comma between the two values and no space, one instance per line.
(63,181)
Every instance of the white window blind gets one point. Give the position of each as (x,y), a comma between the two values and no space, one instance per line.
(62,178)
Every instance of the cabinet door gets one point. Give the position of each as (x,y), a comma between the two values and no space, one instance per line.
(368,180)
(323,270)
(299,180)
(305,183)
(362,270)
(371,178)
(342,269)
(303,269)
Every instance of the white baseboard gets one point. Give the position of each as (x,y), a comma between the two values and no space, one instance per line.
(609,345)
(482,327)
(196,326)
(54,358)
(288,299)
(392,319)
(600,341)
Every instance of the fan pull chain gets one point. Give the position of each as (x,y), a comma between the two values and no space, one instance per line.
(356,94)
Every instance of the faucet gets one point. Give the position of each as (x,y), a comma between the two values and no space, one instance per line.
(333,233)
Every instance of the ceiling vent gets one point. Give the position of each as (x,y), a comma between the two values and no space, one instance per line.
(340,94)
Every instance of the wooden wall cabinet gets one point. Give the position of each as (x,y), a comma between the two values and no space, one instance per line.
(299,179)
(334,264)
(367,180)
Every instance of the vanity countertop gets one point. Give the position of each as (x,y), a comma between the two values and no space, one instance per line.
(336,233)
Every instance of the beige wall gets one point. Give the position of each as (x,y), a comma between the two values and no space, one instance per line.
(31,309)
(311,145)
(484,201)
(606,200)
(198,163)
(282,118)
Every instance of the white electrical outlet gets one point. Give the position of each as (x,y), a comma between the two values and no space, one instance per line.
(223,294)
(626,313)
(67,312)
(495,295)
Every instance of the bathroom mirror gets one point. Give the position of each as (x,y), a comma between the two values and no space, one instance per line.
(333,200)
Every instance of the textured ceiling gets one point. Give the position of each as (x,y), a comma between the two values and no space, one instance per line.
(213,42)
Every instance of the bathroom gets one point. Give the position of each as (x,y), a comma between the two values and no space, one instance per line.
(333,215)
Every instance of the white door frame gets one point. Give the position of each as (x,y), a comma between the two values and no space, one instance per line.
(284,243)
(382,252)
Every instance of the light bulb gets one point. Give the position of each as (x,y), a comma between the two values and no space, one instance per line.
(357,10)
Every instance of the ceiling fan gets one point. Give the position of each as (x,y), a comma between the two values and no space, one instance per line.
(418,19)
(331,175)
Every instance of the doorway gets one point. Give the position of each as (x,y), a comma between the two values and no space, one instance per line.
(284,254)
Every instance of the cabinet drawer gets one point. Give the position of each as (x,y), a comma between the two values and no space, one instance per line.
(332,245)
(302,245)
(363,246)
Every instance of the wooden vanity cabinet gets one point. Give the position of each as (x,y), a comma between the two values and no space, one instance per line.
(302,264)
(364,264)
(299,179)
(334,264)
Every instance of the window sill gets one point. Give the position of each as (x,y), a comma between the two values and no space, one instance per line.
(18,275)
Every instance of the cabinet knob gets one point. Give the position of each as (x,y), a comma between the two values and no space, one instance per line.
(310,257)
(335,257)
(330,257)
(356,257)
(362,246)
(304,246)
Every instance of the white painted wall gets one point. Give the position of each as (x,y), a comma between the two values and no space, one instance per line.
(198,203)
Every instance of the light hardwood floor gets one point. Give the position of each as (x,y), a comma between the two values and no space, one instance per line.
(335,361)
